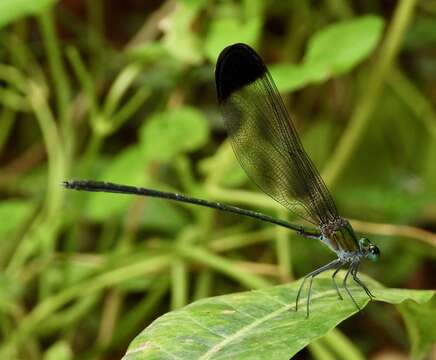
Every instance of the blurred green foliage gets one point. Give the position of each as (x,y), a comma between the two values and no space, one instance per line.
(124,92)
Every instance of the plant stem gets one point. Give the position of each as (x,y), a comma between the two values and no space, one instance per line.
(283,250)
(410,232)
(84,78)
(43,229)
(53,144)
(118,88)
(203,284)
(60,79)
(179,271)
(320,352)
(223,265)
(342,346)
(95,12)
(236,241)
(179,288)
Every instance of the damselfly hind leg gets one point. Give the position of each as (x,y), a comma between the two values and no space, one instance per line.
(335,284)
(331,265)
(361,283)
(344,284)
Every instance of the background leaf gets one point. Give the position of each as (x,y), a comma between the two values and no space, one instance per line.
(419,319)
(339,47)
(227,31)
(332,51)
(232,24)
(173,132)
(179,39)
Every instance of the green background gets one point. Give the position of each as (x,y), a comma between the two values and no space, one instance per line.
(124,92)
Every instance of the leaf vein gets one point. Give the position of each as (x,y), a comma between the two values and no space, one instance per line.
(237,310)
(189,317)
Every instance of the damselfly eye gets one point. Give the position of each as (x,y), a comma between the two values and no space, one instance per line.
(373,253)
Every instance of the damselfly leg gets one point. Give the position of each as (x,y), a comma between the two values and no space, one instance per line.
(331,265)
(344,284)
(360,282)
(335,284)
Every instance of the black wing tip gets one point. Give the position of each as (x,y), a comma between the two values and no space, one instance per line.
(237,65)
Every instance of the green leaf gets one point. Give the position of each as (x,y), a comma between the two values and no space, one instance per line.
(179,37)
(165,134)
(419,321)
(332,51)
(11,10)
(128,168)
(288,77)
(339,47)
(234,22)
(259,324)
(227,31)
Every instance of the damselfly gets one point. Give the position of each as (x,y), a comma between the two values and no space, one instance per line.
(268,148)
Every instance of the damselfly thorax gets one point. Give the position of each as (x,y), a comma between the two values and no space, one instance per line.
(340,237)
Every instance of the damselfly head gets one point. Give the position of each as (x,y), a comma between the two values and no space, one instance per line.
(369,250)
